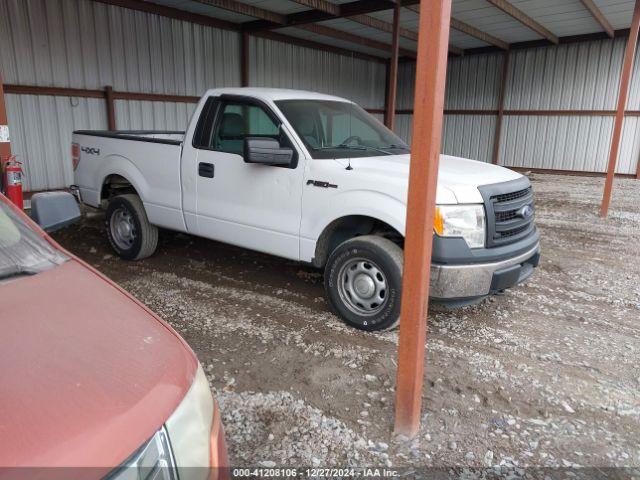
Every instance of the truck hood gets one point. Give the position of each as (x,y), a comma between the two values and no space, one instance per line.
(458,178)
(88,374)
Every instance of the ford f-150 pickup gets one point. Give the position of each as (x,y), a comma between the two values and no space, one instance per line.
(313,178)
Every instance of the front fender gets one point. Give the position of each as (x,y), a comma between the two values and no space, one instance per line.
(377,205)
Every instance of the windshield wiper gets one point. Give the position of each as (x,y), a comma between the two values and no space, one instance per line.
(395,145)
(352,147)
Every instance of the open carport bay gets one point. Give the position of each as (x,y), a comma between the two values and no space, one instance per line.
(546,375)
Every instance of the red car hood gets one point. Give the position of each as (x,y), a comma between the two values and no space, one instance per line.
(87,374)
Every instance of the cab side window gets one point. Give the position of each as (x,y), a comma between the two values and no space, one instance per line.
(236,121)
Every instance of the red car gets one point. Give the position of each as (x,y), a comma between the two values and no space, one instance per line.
(90,377)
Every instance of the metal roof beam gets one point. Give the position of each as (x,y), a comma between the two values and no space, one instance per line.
(524,19)
(479,34)
(246,9)
(378,24)
(599,16)
(321,5)
(170,12)
(321,11)
(352,38)
(470,30)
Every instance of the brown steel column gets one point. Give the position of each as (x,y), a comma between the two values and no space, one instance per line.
(244,59)
(433,44)
(392,78)
(501,95)
(623,93)
(5,146)
(387,76)
(111,108)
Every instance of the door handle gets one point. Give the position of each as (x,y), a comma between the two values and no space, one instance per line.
(205,169)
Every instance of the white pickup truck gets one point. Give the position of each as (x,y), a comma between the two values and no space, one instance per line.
(312,178)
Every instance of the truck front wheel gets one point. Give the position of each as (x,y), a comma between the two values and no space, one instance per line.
(363,280)
(128,228)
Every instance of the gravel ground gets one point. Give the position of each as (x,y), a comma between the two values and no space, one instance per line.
(546,375)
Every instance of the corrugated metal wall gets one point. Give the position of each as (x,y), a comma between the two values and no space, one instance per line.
(81,44)
(88,45)
(578,76)
(84,44)
(273,64)
(473,83)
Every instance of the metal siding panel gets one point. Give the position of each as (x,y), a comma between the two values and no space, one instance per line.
(404,127)
(276,64)
(566,143)
(145,115)
(41,128)
(473,82)
(633,103)
(87,45)
(467,136)
(573,76)
(83,44)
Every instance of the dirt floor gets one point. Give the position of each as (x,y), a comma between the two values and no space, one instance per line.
(546,375)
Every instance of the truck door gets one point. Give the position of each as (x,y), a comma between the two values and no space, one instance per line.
(249,205)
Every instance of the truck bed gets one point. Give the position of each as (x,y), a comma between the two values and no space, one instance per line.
(148,159)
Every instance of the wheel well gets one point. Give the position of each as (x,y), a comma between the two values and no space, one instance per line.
(345,228)
(115,185)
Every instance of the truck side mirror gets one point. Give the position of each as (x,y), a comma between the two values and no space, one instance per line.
(267,151)
(54,210)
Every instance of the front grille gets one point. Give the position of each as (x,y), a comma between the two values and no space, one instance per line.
(507,197)
(510,211)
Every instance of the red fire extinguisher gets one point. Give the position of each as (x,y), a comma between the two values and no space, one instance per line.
(12,180)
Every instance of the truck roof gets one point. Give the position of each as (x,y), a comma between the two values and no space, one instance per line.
(275,94)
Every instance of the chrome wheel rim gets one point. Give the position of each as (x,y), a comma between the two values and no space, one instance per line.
(362,287)
(123,228)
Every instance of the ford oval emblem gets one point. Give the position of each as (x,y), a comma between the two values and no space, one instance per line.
(526,211)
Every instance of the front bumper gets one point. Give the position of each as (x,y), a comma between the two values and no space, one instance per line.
(472,281)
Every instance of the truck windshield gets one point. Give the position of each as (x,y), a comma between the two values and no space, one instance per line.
(333,129)
(23,251)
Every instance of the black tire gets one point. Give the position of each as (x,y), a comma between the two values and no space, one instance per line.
(363,258)
(143,238)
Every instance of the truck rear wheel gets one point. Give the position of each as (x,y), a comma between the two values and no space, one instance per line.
(363,280)
(128,228)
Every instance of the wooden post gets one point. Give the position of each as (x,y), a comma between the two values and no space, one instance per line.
(392,78)
(5,145)
(111,108)
(244,59)
(428,110)
(501,96)
(623,93)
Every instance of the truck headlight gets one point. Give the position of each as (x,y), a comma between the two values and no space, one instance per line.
(466,221)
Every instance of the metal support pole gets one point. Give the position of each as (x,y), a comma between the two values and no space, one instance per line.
(5,145)
(111,108)
(387,77)
(244,59)
(623,93)
(501,96)
(431,67)
(392,78)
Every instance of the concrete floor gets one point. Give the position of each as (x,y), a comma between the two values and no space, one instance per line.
(546,375)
